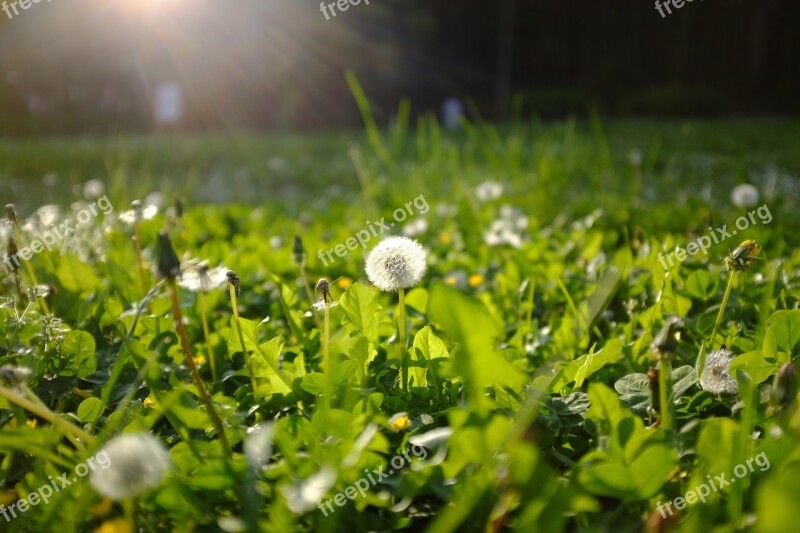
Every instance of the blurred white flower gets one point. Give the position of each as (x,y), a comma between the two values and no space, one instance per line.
(197,277)
(305,495)
(716,377)
(502,232)
(744,195)
(43,218)
(417,227)
(136,462)
(129,216)
(93,189)
(396,263)
(258,445)
(488,190)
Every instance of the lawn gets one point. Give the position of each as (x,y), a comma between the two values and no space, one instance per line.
(604,336)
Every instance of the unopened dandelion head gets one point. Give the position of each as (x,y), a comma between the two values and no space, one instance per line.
(716,377)
(136,463)
(396,263)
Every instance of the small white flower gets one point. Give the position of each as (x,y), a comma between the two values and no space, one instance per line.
(93,189)
(503,231)
(412,229)
(258,445)
(488,190)
(396,263)
(716,377)
(744,195)
(136,463)
(199,278)
(304,495)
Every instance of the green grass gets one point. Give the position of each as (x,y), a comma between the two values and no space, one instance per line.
(530,406)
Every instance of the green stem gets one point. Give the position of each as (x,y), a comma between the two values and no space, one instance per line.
(235,309)
(29,269)
(198,381)
(702,359)
(204,320)
(401,324)
(665,392)
(310,295)
(43,412)
(326,356)
(130,514)
(139,263)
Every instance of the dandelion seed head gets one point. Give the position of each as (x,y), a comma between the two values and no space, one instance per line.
(488,190)
(744,195)
(136,463)
(716,377)
(396,263)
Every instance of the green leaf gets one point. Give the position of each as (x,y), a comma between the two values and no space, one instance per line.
(75,276)
(361,308)
(756,366)
(427,346)
(78,350)
(702,285)
(265,368)
(90,410)
(249,334)
(583,367)
(785,326)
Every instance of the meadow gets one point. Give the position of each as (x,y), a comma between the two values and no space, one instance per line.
(176,363)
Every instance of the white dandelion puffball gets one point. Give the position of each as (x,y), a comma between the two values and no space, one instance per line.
(135,463)
(745,195)
(716,377)
(396,263)
(489,190)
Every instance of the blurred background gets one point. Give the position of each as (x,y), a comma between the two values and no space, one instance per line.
(138,66)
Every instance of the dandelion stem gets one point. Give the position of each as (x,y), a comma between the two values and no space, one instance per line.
(326,355)
(665,391)
(42,411)
(29,269)
(139,263)
(235,310)
(204,320)
(198,381)
(702,359)
(130,514)
(309,294)
(401,324)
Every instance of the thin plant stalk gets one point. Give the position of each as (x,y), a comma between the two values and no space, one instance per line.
(326,355)
(309,293)
(665,391)
(235,309)
(198,381)
(204,321)
(702,359)
(130,513)
(401,318)
(137,240)
(43,412)
(29,269)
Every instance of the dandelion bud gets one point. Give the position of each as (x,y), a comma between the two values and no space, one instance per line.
(138,215)
(234,280)
(134,463)
(11,214)
(666,342)
(298,252)
(324,287)
(168,264)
